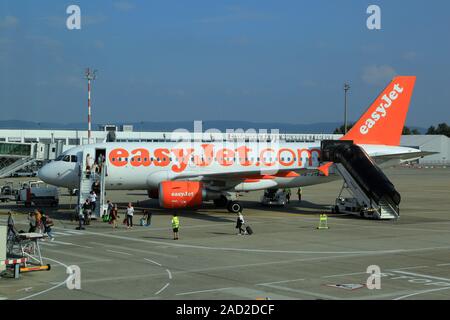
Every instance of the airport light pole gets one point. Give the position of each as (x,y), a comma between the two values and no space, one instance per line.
(346,88)
(89,75)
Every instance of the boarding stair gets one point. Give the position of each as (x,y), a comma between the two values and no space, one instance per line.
(363,178)
(86,182)
(15,166)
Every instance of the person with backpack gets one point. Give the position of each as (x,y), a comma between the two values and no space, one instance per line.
(48,224)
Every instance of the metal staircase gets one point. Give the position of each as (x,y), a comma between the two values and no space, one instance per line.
(16,166)
(86,182)
(363,178)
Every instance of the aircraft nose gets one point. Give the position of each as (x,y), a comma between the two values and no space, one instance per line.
(46,174)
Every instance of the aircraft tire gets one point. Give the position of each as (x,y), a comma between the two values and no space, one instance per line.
(234,207)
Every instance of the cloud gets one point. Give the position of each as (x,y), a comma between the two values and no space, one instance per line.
(378,75)
(123,5)
(9,22)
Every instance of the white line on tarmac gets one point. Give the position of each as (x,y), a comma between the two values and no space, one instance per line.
(423,276)
(49,289)
(202,291)
(265,250)
(119,252)
(421,292)
(162,289)
(170,274)
(276,282)
(443,264)
(343,274)
(71,244)
(158,264)
(309,293)
(356,273)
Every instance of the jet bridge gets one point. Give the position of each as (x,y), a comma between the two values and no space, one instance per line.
(364,179)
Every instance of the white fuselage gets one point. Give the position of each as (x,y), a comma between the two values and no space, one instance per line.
(239,166)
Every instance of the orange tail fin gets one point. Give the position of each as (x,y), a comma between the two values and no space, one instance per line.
(383,122)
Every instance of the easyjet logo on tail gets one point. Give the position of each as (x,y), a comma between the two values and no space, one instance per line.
(382,123)
(382,110)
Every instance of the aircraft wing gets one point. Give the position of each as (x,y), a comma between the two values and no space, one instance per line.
(254,174)
(404,156)
(394,159)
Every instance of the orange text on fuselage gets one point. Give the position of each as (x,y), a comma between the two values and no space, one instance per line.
(179,158)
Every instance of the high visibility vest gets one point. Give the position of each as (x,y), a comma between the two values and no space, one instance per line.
(175,222)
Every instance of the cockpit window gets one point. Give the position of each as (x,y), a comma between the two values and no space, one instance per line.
(73,158)
(66,158)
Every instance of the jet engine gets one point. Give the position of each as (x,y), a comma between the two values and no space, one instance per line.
(182,194)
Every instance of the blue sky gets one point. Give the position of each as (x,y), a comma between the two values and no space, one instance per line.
(283,61)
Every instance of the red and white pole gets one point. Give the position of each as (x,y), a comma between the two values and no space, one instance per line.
(90,75)
(89,110)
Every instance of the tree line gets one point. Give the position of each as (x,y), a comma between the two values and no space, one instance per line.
(440,129)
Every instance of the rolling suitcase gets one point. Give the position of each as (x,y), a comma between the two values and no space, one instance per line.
(249,230)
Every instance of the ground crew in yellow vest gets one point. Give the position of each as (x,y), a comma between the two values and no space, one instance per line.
(175,226)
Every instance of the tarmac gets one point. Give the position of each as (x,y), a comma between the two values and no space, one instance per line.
(287,257)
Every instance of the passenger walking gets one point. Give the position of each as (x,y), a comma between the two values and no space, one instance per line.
(48,224)
(288,194)
(239,223)
(299,193)
(89,164)
(147,218)
(175,226)
(87,207)
(81,219)
(130,213)
(38,216)
(113,216)
(11,225)
(93,200)
(32,222)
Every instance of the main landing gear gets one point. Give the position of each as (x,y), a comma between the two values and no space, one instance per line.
(232,206)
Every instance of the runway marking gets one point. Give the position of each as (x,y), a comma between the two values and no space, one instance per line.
(71,244)
(357,273)
(265,250)
(284,281)
(154,262)
(343,274)
(202,291)
(221,268)
(170,274)
(423,276)
(421,292)
(135,250)
(162,289)
(119,252)
(52,288)
(309,293)
(443,264)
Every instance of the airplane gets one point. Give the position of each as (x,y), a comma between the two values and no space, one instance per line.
(187,173)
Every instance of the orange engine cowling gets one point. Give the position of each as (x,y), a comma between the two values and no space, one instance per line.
(180,194)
